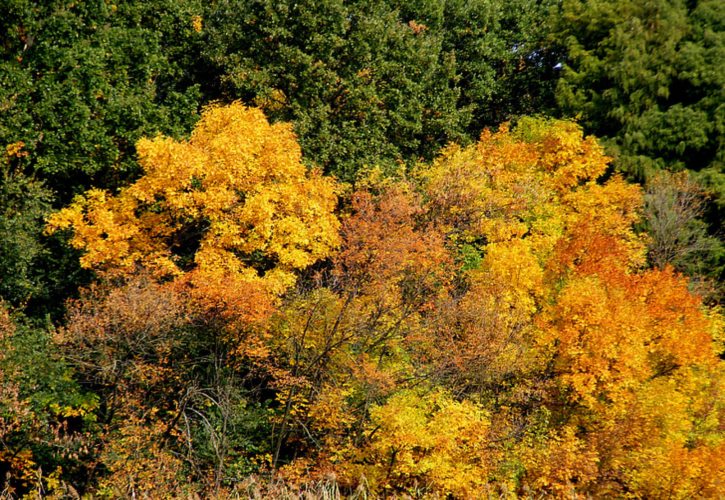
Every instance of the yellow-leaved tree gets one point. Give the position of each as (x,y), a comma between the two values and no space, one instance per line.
(193,257)
(232,208)
(488,326)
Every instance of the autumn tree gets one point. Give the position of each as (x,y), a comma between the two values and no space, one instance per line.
(504,284)
(231,207)
(557,329)
(481,325)
(191,260)
(342,346)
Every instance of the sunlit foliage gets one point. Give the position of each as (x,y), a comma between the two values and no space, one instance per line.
(236,194)
(485,324)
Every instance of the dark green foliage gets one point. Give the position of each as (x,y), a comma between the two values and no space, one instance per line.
(505,66)
(648,78)
(379,82)
(361,86)
(365,82)
(36,272)
(81,82)
(228,429)
(23,203)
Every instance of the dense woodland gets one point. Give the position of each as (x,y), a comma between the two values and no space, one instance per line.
(379,248)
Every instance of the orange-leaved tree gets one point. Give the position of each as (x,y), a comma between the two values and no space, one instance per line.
(489,325)
(592,366)
(341,346)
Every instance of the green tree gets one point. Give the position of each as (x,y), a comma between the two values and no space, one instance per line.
(23,202)
(81,82)
(36,272)
(647,77)
(361,86)
(379,82)
(505,64)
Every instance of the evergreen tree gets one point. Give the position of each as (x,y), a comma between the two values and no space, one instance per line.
(648,78)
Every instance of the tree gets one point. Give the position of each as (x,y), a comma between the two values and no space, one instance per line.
(559,282)
(341,343)
(192,259)
(505,65)
(483,325)
(535,345)
(361,86)
(24,202)
(383,82)
(232,210)
(646,78)
(82,82)
(643,77)
(428,442)
(674,206)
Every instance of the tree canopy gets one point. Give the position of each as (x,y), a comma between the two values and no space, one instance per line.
(327,248)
